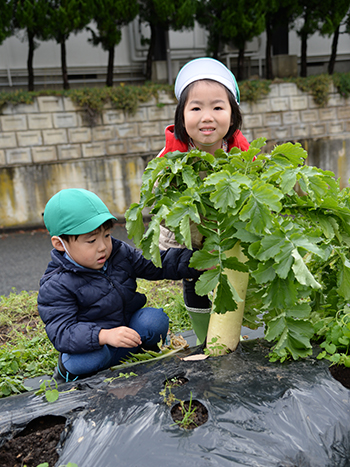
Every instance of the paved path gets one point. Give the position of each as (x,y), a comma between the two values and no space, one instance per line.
(24,256)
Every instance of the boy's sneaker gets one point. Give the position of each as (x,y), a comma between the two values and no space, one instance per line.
(61,375)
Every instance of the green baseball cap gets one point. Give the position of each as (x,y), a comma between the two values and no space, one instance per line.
(75,211)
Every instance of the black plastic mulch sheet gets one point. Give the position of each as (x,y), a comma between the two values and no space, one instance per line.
(260,414)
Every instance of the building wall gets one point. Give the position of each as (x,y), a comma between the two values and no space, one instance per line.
(88,64)
(50,145)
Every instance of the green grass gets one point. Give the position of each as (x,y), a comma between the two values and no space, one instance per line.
(25,350)
(167,295)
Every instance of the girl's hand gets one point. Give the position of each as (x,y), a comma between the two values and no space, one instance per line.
(121,336)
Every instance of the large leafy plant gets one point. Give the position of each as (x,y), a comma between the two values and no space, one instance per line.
(292,222)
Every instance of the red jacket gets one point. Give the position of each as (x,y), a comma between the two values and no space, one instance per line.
(172,144)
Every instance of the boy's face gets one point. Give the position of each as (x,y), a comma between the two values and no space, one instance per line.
(90,250)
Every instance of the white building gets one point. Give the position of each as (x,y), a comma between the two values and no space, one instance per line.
(87,65)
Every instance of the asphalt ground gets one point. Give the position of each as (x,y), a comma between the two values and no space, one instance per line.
(25,254)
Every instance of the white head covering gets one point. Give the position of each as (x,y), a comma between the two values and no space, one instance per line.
(206,68)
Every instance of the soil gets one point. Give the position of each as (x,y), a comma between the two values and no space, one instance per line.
(342,374)
(34,445)
(199,416)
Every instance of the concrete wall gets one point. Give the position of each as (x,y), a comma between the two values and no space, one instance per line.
(51,145)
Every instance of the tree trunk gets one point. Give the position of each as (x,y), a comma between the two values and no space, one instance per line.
(30,70)
(64,65)
(334,51)
(240,65)
(150,54)
(268,58)
(168,58)
(303,69)
(109,81)
(304,36)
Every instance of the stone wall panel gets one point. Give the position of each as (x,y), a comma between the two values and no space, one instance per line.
(13,123)
(53,144)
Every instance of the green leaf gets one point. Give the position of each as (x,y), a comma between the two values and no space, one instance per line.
(226,194)
(294,337)
(51,395)
(203,259)
(331,348)
(294,153)
(275,328)
(234,264)
(184,207)
(263,199)
(299,311)
(284,261)
(264,273)
(150,240)
(281,293)
(250,153)
(335,358)
(344,340)
(308,243)
(208,281)
(225,297)
(186,231)
(302,274)
(343,281)
(270,246)
(288,180)
(244,235)
(134,223)
(258,143)
(189,176)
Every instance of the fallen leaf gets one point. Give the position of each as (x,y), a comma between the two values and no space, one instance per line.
(194,357)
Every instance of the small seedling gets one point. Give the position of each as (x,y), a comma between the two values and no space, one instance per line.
(51,394)
(170,398)
(215,348)
(45,464)
(188,414)
(121,375)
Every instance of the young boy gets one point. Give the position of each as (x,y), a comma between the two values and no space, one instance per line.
(87,298)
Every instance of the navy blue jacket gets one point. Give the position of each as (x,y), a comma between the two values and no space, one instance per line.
(76,303)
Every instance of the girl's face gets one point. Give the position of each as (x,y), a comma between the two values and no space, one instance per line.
(207,115)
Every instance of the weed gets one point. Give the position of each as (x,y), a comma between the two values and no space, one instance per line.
(51,393)
(168,397)
(252,91)
(128,97)
(215,348)
(188,413)
(317,85)
(342,83)
(25,350)
(167,295)
(121,375)
(45,464)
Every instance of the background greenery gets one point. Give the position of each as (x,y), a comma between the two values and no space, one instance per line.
(226,23)
(128,97)
(25,350)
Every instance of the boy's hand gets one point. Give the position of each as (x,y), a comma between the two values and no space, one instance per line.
(121,336)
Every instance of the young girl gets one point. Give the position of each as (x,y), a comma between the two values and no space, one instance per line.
(207,117)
